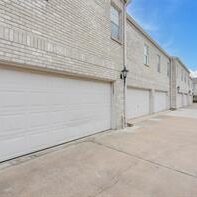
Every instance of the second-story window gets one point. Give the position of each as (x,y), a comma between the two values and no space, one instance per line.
(116,30)
(158,63)
(146,55)
(168,69)
(177,72)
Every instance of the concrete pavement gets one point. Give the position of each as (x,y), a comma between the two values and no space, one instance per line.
(155,158)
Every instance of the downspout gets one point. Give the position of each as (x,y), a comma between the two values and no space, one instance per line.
(125,59)
(171,88)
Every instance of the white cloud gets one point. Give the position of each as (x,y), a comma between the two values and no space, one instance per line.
(193,74)
(149,26)
(169,43)
(150,18)
(148,21)
(169,46)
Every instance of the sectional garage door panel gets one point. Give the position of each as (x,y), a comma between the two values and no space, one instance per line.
(190,100)
(179,101)
(160,103)
(185,100)
(38,111)
(138,102)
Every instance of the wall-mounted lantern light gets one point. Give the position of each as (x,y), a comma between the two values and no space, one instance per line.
(190,93)
(124,74)
(178,89)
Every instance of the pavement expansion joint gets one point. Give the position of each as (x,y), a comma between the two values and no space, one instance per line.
(145,160)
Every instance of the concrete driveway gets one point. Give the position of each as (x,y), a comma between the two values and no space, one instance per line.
(155,158)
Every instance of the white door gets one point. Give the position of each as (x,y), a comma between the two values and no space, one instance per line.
(179,100)
(138,102)
(38,111)
(160,103)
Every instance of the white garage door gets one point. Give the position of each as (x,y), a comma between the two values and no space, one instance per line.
(38,111)
(185,100)
(179,100)
(190,100)
(160,103)
(138,103)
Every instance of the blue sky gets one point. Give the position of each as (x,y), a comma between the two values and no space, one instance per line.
(172,23)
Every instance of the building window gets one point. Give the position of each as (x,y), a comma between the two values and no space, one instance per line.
(146,55)
(158,63)
(182,75)
(168,69)
(177,73)
(116,30)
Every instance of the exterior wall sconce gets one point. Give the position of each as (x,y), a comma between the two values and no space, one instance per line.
(124,74)
(190,93)
(178,89)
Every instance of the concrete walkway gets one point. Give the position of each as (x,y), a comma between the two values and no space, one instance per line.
(155,158)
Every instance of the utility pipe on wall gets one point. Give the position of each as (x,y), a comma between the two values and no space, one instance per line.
(127,2)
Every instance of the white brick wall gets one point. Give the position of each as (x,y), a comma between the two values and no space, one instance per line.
(194,82)
(74,38)
(194,88)
(180,78)
(140,75)
(70,37)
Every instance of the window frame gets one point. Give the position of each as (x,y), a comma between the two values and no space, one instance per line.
(168,69)
(177,72)
(158,63)
(120,27)
(146,55)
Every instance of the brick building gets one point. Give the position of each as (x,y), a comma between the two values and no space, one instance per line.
(60,68)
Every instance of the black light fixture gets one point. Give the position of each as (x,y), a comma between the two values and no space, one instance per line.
(124,73)
(178,89)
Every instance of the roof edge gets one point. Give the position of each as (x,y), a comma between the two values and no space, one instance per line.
(132,21)
(194,79)
(179,60)
(127,1)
